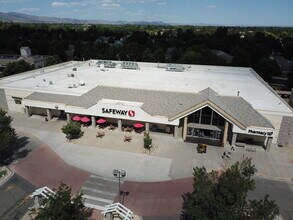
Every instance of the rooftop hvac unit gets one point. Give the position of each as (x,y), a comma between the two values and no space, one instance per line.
(129,65)
(74,69)
(70,75)
(175,67)
(106,63)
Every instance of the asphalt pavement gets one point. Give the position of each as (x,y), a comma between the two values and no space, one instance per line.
(280,191)
(15,199)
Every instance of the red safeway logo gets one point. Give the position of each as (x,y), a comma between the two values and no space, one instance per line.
(131,113)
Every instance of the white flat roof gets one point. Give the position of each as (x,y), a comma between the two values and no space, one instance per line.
(223,80)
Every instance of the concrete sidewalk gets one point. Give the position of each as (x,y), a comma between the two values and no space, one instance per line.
(172,159)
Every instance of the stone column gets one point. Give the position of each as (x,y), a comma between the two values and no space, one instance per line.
(94,123)
(27,111)
(68,117)
(119,125)
(225,135)
(269,144)
(185,128)
(147,127)
(49,114)
(234,138)
(176,132)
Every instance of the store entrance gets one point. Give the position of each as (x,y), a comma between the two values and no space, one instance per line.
(211,136)
(204,133)
(205,126)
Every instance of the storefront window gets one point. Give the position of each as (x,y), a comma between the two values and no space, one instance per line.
(206,116)
(203,133)
(194,117)
(217,119)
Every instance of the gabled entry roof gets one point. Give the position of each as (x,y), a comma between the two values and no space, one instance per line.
(236,109)
(172,105)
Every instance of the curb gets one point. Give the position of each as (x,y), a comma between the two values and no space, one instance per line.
(289,179)
(8,178)
(274,178)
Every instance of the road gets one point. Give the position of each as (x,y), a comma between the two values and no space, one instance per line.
(281,191)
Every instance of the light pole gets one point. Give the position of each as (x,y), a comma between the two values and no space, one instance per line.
(119,174)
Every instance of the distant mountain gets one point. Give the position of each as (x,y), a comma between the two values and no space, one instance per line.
(24,18)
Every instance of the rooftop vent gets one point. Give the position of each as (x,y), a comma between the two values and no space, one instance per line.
(50,82)
(82,83)
(74,69)
(106,63)
(175,67)
(70,75)
(129,65)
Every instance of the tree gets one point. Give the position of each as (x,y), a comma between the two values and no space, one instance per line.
(189,57)
(17,67)
(62,206)
(7,133)
(241,58)
(289,84)
(224,196)
(147,141)
(267,68)
(148,56)
(52,60)
(56,47)
(72,130)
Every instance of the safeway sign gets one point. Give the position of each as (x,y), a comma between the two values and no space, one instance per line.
(130,113)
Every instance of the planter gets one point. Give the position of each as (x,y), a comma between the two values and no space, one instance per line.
(201,148)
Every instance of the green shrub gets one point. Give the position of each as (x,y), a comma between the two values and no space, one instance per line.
(147,141)
(72,130)
(3,173)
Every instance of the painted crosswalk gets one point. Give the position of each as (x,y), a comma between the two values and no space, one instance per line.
(99,191)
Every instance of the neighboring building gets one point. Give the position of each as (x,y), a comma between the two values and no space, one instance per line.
(25,54)
(7,58)
(223,55)
(286,65)
(206,104)
(37,60)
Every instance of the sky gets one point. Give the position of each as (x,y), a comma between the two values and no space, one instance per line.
(211,12)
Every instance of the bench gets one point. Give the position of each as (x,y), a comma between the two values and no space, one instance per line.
(127,138)
(100,134)
(112,127)
(239,144)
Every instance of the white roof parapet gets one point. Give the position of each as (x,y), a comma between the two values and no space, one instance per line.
(44,192)
(118,208)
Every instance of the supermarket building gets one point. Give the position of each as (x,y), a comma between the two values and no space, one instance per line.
(203,104)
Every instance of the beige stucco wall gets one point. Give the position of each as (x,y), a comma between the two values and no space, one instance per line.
(276,120)
(12,106)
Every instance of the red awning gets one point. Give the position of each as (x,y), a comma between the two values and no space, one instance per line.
(76,118)
(101,121)
(85,119)
(138,125)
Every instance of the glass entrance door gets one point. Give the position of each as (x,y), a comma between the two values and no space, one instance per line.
(204,133)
